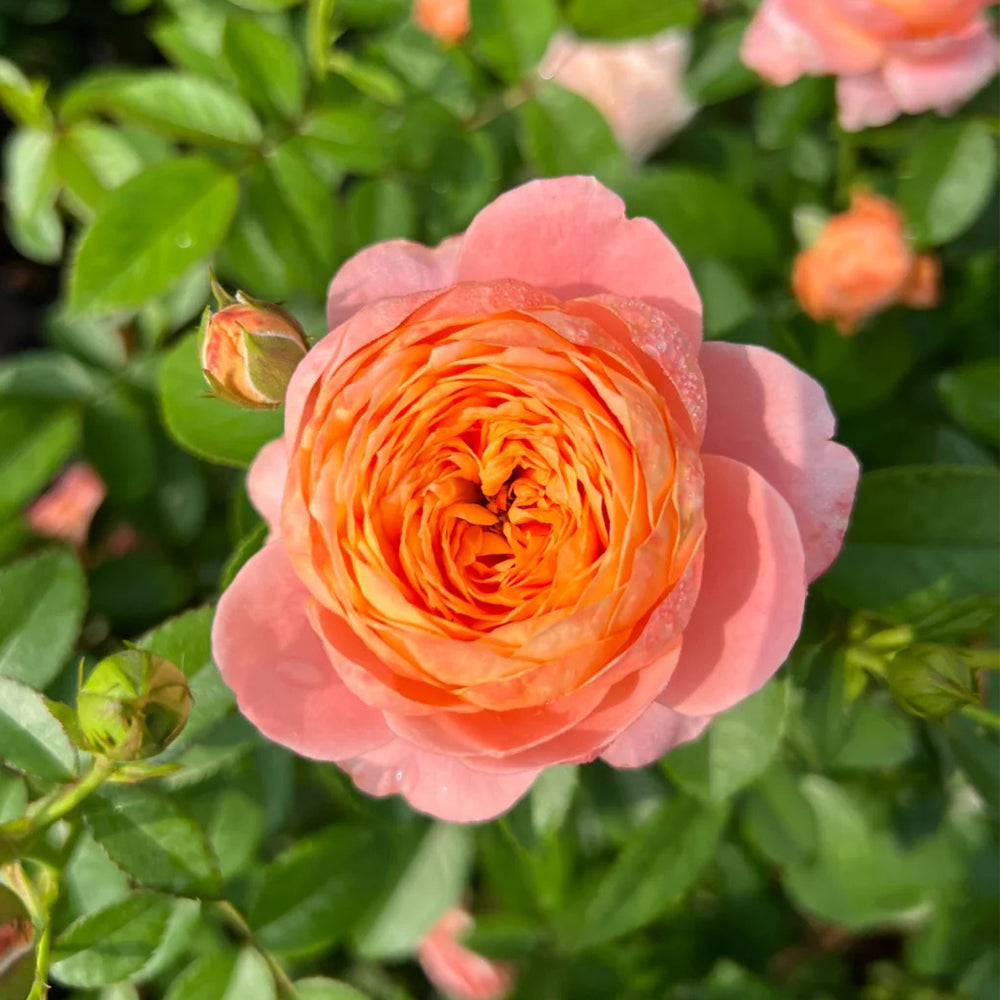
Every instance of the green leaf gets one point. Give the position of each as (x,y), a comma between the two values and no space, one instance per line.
(21,98)
(248,547)
(705,217)
(209,427)
(267,67)
(49,375)
(918,526)
(561,133)
(370,78)
(551,797)
(31,185)
(380,210)
(35,439)
(432,880)
(314,893)
(727,300)
(150,838)
(860,877)
(718,73)
(971,395)
(118,441)
(92,160)
(149,232)
(782,113)
(182,926)
(31,740)
(512,36)
(177,103)
(112,943)
(949,180)
(877,737)
(350,137)
(977,757)
(778,819)
(628,19)
(13,795)
(42,601)
(661,860)
(738,746)
(321,988)
(230,976)
(138,588)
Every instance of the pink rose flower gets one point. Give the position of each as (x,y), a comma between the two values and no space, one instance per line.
(65,510)
(522,516)
(455,970)
(890,56)
(637,85)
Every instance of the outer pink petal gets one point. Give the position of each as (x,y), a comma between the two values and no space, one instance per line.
(387,270)
(790,38)
(570,236)
(864,101)
(766,413)
(655,732)
(753,590)
(941,77)
(437,785)
(276,666)
(266,482)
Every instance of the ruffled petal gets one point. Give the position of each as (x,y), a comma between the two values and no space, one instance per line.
(941,77)
(275,664)
(753,589)
(864,101)
(266,482)
(792,38)
(656,731)
(766,413)
(388,270)
(444,787)
(570,236)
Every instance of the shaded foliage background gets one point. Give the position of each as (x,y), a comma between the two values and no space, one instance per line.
(820,841)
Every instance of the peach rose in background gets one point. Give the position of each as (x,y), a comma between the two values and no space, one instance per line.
(521,516)
(455,970)
(890,56)
(447,20)
(861,264)
(637,85)
(65,510)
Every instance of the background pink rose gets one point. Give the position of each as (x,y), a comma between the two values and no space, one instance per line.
(890,56)
(777,495)
(454,969)
(638,85)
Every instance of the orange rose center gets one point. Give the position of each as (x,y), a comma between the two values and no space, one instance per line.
(485,495)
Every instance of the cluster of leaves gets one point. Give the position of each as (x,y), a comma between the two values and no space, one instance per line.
(834,836)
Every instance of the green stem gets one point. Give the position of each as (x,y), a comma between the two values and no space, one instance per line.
(237,922)
(16,833)
(983,716)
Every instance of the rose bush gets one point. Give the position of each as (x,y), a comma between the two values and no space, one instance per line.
(890,56)
(521,515)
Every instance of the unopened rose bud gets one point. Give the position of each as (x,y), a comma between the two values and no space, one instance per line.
(17,960)
(931,681)
(249,350)
(133,705)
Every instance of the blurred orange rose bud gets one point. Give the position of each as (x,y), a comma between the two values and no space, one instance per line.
(862,263)
(249,350)
(447,20)
(67,507)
